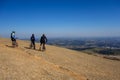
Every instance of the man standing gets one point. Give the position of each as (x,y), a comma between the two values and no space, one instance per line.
(13,39)
(32,41)
(43,41)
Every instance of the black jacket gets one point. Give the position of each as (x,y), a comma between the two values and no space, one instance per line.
(43,39)
(32,38)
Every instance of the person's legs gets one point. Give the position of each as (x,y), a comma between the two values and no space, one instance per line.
(33,44)
(44,46)
(13,43)
(40,46)
(16,44)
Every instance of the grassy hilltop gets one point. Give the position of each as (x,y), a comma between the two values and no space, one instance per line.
(55,63)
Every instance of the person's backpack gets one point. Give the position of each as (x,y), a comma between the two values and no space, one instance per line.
(43,39)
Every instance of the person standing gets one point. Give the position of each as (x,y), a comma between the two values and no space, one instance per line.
(13,39)
(32,41)
(43,41)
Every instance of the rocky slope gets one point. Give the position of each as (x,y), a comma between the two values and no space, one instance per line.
(55,63)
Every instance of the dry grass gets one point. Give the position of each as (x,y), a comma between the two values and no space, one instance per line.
(55,63)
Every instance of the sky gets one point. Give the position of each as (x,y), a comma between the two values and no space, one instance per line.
(60,18)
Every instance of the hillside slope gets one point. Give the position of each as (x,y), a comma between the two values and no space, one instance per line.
(55,63)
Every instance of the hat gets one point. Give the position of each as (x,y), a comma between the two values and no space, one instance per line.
(13,31)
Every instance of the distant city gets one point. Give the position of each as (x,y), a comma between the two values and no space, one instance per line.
(106,46)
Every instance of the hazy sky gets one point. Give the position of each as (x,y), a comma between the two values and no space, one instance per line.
(60,18)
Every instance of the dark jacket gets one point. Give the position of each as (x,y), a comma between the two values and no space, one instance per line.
(32,38)
(43,39)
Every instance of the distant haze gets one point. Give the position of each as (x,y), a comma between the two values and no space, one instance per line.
(60,18)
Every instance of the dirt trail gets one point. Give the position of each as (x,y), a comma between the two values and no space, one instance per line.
(56,63)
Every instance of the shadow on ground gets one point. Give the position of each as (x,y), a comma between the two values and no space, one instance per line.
(9,46)
(31,48)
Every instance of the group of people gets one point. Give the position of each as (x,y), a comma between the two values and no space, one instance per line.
(43,41)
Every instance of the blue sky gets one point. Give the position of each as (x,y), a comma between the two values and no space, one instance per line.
(60,18)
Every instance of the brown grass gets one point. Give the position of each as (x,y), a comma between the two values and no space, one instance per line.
(55,63)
